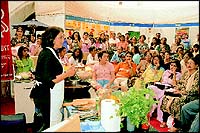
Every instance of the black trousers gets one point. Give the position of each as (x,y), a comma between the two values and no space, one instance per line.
(42,118)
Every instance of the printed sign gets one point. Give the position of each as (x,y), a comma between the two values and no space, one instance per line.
(6,54)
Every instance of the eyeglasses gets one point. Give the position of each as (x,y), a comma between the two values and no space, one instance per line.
(128,56)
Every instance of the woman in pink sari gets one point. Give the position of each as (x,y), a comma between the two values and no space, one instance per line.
(169,78)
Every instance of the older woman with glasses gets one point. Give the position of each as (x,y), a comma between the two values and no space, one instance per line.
(187,90)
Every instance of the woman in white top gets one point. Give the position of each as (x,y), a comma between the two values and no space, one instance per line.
(77,57)
(92,58)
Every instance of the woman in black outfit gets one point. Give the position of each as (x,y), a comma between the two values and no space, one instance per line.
(48,92)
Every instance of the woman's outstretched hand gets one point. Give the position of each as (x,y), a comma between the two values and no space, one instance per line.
(71,71)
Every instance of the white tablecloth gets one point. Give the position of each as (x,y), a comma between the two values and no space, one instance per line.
(23,104)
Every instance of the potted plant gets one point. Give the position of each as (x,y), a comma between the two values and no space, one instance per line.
(135,104)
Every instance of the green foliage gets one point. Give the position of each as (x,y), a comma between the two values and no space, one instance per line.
(136,104)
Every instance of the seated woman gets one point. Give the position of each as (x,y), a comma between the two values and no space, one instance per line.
(136,55)
(169,78)
(184,61)
(92,58)
(36,48)
(167,60)
(63,56)
(116,58)
(179,53)
(153,73)
(77,57)
(103,72)
(23,61)
(19,39)
(144,63)
(123,71)
(187,88)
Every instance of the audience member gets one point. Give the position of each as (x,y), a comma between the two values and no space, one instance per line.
(122,43)
(76,40)
(195,49)
(133,42)
(142,45)
(103,72)
(19,39)
(116,58)
(190,116)
(136,55)
(167,60)
(36,49)
(92,58)
(184,61)
(170,78)
(77,57)
(152,74)
(23,61)
(188,90)
(144,63)
(123,71)
(63,56)
(163,44)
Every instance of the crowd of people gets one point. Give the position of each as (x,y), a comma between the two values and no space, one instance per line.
(115,59)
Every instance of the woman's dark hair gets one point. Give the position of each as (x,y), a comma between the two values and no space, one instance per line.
(167,51)
(79,37)
(92,48)
(145,54)
(20,52)
(189,54)
(100,54)
(157,42)
(136,49)
(93,39)
(179,48)
(196,46)
(161,62)
(39,36)
(85,33)
(196,59)
(20,28)
(129,53)
(49,35)
(178,64)
(80,56)
(143,37)
(135,38)
(61,49)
